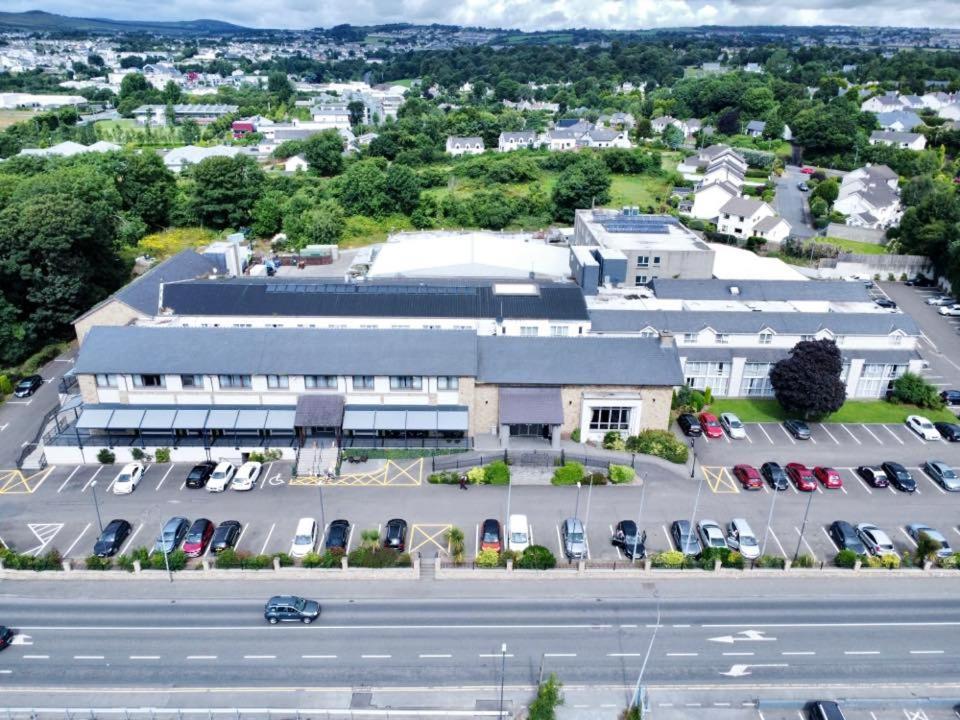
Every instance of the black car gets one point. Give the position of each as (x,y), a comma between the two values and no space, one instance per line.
(899,476)
(625,537)
(395,536)
(798,428)
(225,536)
(111,539)
(950,397)
(28,386)
(690,425)
(684,539)
(885,302)
(6,636)
(291,608)
(774,475)
(846,538)
(338,535)
(874,476)
(199,474)
(948,431)
(921,281)
(824,710)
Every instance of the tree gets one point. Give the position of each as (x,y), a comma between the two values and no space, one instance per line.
(818,207)
(403,188)
(225,191)
(672,136)
(190,131)
(828,190)
(927,548)
(915,390)
(728,122)
(324,224)
(356,110)
(642,128)
(362,189)
(324,152)
(544,706)
(808,382)
(583,184)
(279,85)
(171,93)
(146,187)
(268,214)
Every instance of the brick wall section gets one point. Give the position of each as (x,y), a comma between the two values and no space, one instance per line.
(113,312)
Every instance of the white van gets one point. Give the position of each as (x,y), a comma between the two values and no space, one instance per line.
(305,539)
(518,533)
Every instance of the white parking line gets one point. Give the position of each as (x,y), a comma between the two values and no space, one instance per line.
(824,428)
(74,544)
(855,438)
(263,550)
(668,536)
(265,475)
(129,542)
(476,539)
(69,478)
(895,436)
(169,470)
(862,481)
(803,539)
(870,433)
(619,555)
(933,482)
(774,536)
(789,436)
(92,478)
(907,536)
(829,539)
(243,529)
(349,539)
(765,433)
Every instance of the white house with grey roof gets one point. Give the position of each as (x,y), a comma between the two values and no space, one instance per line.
(870,197)
(901,140)
(520,140)
(457,146)
(179,158)
(746,217)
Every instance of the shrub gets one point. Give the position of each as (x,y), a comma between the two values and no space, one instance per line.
(137,454)
(228,558)
(285,559)
(621,474)
(455,544)
(376,557)
(536,557)
(509,555)
(889,562)
(449,477)
(915,390)
(845,559)
(951,562)
(497,473)
(771,561)
(803,561)
(613,440)
(488,559)
(575,435)
(329,559)
(476,475)
(125,562)
(177,560)
(51,560)
(265,456)
(596,478)
(105,457)
(162,455)
(670,559)
(660,443)
(98,563)
(403,560)
(6,386)
(544,706)
(688,399)
(569,474)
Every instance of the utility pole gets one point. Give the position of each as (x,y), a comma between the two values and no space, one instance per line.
(636,538)
(773,502)
(503,670)
(166,554)
(693,450)
(96,505)
(803,525)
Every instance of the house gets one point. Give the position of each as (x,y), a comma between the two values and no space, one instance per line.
(295,163)
(524,139)
(899,120)
(949,112)
(617,119)
(203,114)
(659,124)
(724,169)
(746,217)
(692,127)
(69,148)
(755,128)
(708,199)
(752,67)
(367,138)
(870,197)
(697,164)
(606,138)
(888,102)
(179,158)
(902,140)
(242,128)
(560,140)
(13,100)
(457,146)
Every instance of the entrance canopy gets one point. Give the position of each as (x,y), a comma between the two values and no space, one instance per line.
(319,411)
(530,405)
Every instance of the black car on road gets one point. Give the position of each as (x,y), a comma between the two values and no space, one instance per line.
(798,428)
(899,476)
(395,536)
(885,302)
(690,425)
(338,535)
(846,538)
(28,386)
(921,281)
(774,475)
(200,473)
(625,537)
(6,636)
(225,536)
(291,608)
(112,538)
(948,431)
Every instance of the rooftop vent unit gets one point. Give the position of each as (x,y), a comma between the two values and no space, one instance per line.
(734,290)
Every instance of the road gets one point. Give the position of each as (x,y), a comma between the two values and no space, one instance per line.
(790,203)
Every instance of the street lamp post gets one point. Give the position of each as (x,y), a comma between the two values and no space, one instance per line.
(693,450)
(96,505)
(323,519)
(586,520)
(696,502)
(803,525)
(636,537)
(637,691)
(503,670)
(773,502)
(576,508)
(166,554)
(506,525)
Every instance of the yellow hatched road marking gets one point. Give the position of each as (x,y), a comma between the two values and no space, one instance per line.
(14,482)
(430,535)
(719,479)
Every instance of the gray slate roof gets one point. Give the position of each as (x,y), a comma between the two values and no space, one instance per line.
(741,206)
(891,136)
(756,126)
(726,353)
(828,290)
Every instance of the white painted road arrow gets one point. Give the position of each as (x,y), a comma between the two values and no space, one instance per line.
(741,670)
(21,640)
(745,635)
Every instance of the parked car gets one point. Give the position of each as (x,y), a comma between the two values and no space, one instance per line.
(922,427)
(873,475)
(6,636)
(490,535)
(915,530)
(824,710)
(802,477)
(711,427)
(338,535)
(246,476)
(943,474)
(748,476)
(940,300)
(127,479)
(225,536)
(875,539)
(711,534)
(885,302)
(846,538)
(685,541)
(741,538)
(221,476)
(950,397)
(626,538)
(731,423)
(291,608)
(689,425)
(948,431)
(518,533)
(574,539)
(950,310)
(798,428)
(921,281)
(774,475)
(200,473)
(198,537)
(28,386)
(112,538)
(807,170)
(172,535)
(802,186)
(828,477)
(304,538)
(900,477)
(395,535)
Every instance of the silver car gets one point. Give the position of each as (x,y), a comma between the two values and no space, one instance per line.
(711,534)
(915,530)
(875,539)
(731,423)
(943,474)
(741,538)
(574,539)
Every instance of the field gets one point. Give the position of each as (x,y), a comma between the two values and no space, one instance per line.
(163,244)
(853,246)
(853,411)
(9,117)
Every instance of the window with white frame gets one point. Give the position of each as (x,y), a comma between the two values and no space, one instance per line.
(559,330)
(643,261)
(756,380)
(362,382)
(320,382)
(838,339)
(149,381)
(278,382)
(604,419)
(234,382)
(875,377)
(896,339)
(691,338)
(640,280)
(529,330)
(106,381)
(448,382)
(722,339)
(191,381)
(766,338)
(656,261)
(806,338)
(703,374)
(406,382)
(649,333)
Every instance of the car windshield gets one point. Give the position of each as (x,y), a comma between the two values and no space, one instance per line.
(490,536)
(302,539)
(194,537)
(123,477)
(518,537)
(748,540)
(168,536)
(299,603)
(925,424)
(734,423)
(576,537)
(219,475)
(947,472)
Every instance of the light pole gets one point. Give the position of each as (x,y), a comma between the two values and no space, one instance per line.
(576,509)
(506,525)
(636,537)
(586,520)
(773,502)
(693,451)
(636,691)
(323,520)
(96,505)
(696,502)
(503,670)
(166,554)
(803,525)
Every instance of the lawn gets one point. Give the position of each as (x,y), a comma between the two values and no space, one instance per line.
(642,190)
(853,411)
(854,246)
(9,117)
(406,82)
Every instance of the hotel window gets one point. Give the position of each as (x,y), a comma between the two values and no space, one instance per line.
(641,280)
(191,381)
(649,333)
(806,338)
(559,330)
(406,382)
(150,381)
(107,381)
(691,338)
(610,418)
(722,339)
(701,374)
(529,330)
(766,338)
(275,382)
(643,261)
(229,382)
(896,339)
(838,339)
(756,380)
(363,382)
(448,382)
(314,382)
(656,261)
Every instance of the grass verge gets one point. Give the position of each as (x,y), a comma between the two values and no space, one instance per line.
(760,410)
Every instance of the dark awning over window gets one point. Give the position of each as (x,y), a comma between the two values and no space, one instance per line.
(406,417)
(319,411)
(534,405)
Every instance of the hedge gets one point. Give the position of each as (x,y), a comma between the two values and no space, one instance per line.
(660,443)
(621,474)
(536,557)
(569,474)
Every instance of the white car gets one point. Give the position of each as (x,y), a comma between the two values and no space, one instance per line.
(221,476)
(731,423)
(246,477)
(875,540)
(711,534)
(922,427)
(941,300)
(741,538)
(518,533)
(305,538)
(952,310)
(127,479)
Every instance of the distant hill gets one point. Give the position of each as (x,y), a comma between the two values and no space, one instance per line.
(39,21)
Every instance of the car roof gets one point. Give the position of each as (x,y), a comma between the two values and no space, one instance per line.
(175,521)
(741,524)
(223,464)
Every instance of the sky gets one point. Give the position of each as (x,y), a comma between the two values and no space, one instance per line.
(522,14)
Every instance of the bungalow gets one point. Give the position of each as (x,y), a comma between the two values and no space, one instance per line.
(659,124)
(617,119)
(899,120)
(708,199)
(521,140)
(181,157)
(902,140)
(756,128)
(559,140)
(606,138)
(746,217)
(457,146)
(950,112)
(888,102)
(295,163)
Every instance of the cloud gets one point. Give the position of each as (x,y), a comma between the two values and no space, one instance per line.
(525,14)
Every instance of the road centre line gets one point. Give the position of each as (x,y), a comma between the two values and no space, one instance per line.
(69,478)
(926,652)
(624,654)
(682,654)
(905,623)
(36,657)
(88,657)
(798,652)
(855,438)
(259,657)
(201,657)
(861,652)
(144,657)
(738,654)
(493,655)
(555,655)
(92,477)
(318,657)
(424,656)
(169,470)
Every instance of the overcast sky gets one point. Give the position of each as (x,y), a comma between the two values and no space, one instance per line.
(523,14)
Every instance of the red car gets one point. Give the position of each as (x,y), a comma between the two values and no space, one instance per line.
(711,426)
(802,477)
(829,477)
(491,536)
(748,476)
(198,537)
(807,170)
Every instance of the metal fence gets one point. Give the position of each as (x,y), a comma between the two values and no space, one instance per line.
(537,458)
(238,713)
(432,443)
